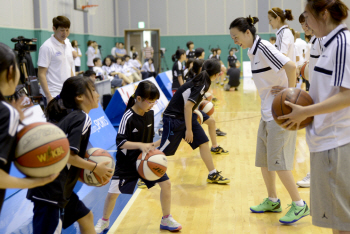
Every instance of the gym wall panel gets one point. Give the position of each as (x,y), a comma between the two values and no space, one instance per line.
(251,8)
(263,8)
(77,22)
(123,16)
(157,15)
(102,23)
(139,12)
(196,17)
(233,11)
(216,17)
(176,16)
(17,14)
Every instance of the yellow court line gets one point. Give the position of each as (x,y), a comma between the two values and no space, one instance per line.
(121,216)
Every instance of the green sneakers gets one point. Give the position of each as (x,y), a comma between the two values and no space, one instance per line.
(267,206)
(295,213)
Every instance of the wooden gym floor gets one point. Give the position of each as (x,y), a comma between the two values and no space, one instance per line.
(217,209)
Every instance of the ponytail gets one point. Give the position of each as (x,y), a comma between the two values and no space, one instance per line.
(283,14)
(244,24)
(178,54)
(210,67)
(197,65)
(55,110)
(7,59)
(145,90)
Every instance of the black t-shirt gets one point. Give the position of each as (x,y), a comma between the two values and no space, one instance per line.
(177,71)
(77,126)
(9,119)
(187,92)
(231,59)
(190,54)
(234,75)
(133,128)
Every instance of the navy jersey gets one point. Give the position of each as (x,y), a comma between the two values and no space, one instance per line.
(187,92)
(133,128)
(177,71)
(232,59)
(234,75)
(190,54)
(9,119)
(77,126)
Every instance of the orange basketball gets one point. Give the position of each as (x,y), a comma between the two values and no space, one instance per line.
(207,107)
(304,71)
(152,166)
(208,96)
(293,95)
(199,116)
(42,150)
(96,155)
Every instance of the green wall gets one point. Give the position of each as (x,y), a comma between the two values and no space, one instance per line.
(171,43)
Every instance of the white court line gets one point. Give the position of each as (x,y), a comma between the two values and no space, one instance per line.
(121,216)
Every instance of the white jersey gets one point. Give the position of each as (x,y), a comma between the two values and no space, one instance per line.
(315,52)
(285,42)
(332,71)
(90,53)
(77,61)
(300,45)
(267,62)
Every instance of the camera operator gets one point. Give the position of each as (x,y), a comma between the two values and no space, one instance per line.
(55,62)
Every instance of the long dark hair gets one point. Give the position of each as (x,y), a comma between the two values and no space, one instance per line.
(210,67)
(146,90)
(178,54)
(197,64)
(74,86)
(7,59)
(243,24)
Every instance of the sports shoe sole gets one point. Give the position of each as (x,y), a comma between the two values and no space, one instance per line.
(284,222)
(303,186)
(218,182)
(265,211)
(215,153)
(170,229)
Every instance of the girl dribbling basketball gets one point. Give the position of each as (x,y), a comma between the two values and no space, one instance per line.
(10,116)
(275,145)
(55,204)
(135,136)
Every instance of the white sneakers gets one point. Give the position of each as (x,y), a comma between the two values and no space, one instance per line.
(170,224)
(305,183)
(101,226)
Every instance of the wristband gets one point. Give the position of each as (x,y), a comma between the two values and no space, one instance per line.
(94,167)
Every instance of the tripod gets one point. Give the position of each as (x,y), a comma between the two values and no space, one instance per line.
(162,59)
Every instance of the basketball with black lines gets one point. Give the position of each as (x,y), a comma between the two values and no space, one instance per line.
(42,150)
(207,107)
(295,96)
(152,166)
(96,155)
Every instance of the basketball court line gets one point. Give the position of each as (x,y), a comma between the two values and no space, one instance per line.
(121,216)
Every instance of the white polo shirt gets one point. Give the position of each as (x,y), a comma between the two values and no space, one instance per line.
(300,45)
(331,72)
(90,53)
(147,67)
(58,59)
(267,62)
(285,42)
(77,60)
(315,52)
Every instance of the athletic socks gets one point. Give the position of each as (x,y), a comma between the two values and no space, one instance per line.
(213,171)
(299,203)
(273,199)
(105,219)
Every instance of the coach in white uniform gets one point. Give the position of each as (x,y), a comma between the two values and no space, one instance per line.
(328,136)
(55,63)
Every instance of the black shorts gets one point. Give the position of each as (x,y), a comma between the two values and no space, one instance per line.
(49,219)
(77,68)
(175,129)
(127,186)
(205,116)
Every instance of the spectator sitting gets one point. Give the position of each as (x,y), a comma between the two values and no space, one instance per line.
(129,70)
(114,49)
(132,51)
(135,61)
(147,52)
(148,69)
(121,51)
(234,74)
(91,53)
(98,69)
(114,72)
(90,74)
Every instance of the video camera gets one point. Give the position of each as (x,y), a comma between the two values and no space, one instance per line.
(23,44)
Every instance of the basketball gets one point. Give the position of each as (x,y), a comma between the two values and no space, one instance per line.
(207,107)
(227,87)
(96,155)
(152,166)
(208,96)
(42,150)
(199,116)
(304,71)
(295,96)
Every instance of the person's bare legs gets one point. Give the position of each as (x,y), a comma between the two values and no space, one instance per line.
(109,205)
(270,182)
(289,183)
(165,196)
(206,156)
(86,224)
(212,131)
